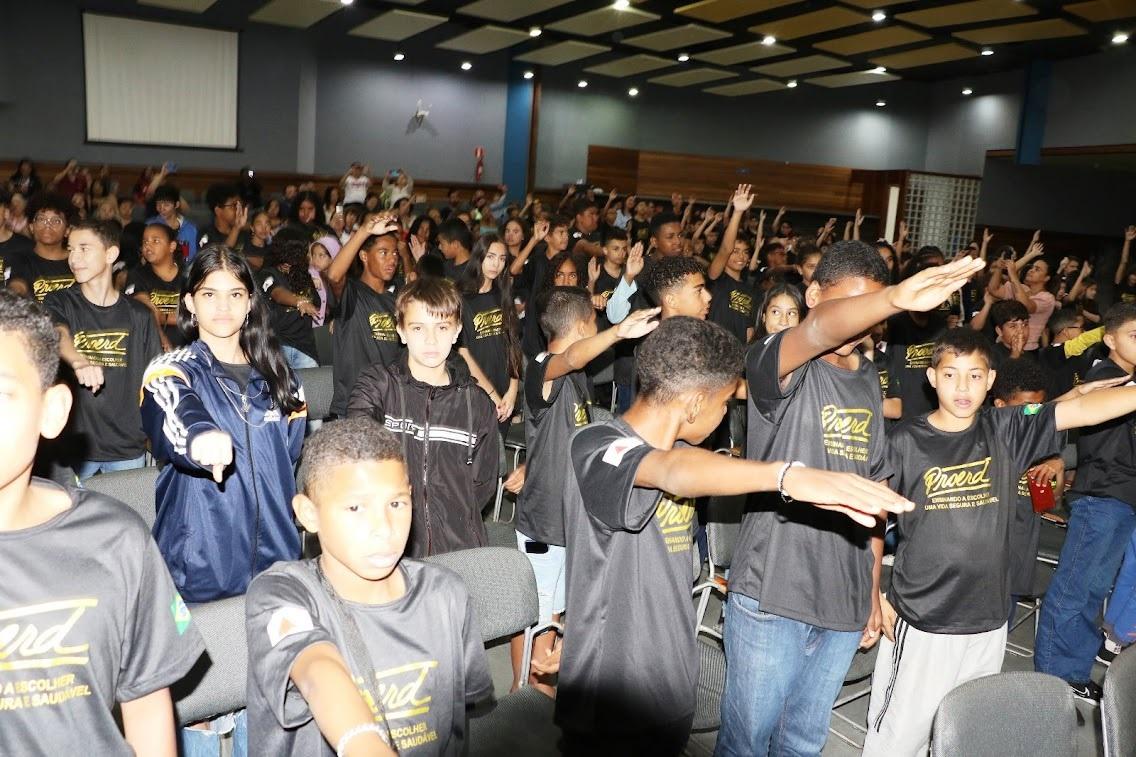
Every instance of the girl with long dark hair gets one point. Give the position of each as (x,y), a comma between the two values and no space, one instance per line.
(308,215)
(294,301)
(489,342)
(226,420)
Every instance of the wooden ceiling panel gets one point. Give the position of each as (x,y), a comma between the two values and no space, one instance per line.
(397,25)
(809,64)
(717,11)
(807,24)
(967,13)
(729,56)
(1050,28)
(926,56)
(508,10)
(877,39)
(692,76)
(678,36)
(562,52)
(632,65)
(1103,10)
(851,79)
(487,39)
(603,21)
(745,88)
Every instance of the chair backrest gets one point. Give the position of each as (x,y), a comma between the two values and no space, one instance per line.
(318,388)
(600,414)
(217,683)
(1020,714)
(723,525)
(135,488)
(502,586)
(1118,707)
(711,685)
(325,350)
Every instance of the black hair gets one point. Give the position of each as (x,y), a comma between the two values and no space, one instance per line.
(807,247)
(106,232)
(1004,311)
(667,273)
(52,202)
(554,264)
(308,196)
(1062,319)
(850,258)
(615,234)
(257,340)
(430,266)
(453,230)
(1023,374)
(470,286)
(28,320)
(327,194)
(557,221)
(962,342)
(778,289)
(582,204)
(5,198)
(290,256)
(561,308)
(167,193)
(219,194)
(520,221)
(711,359)
(662,219)
(359,439)
(1118,315)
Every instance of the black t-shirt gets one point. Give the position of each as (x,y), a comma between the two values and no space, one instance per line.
(639,231)
(731,305)
(1126,292)
(1065,372)
(907,377)
(1025,535)
(42,276)
(122,339)
(425,653)
(212,235)
(630,662)
(293,328)
(549,425)
(165,295)
(454,271)
(483,334)
(799,561)
(364,334)
(15,249)
(575,236)
(90,618)
(1106,454)
(952,566)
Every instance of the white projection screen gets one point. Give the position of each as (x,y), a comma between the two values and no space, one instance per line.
(159,84)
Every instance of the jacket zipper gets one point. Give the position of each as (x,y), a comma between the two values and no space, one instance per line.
(426,471)
(256,499)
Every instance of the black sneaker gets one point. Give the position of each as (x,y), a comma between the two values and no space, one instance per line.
(1087,691)
(1108,652)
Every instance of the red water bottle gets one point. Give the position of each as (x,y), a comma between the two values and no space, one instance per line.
(1042,496)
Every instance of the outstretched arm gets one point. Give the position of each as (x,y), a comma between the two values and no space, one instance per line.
(741,202)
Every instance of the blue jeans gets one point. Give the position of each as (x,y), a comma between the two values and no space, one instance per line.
(782,678)
(1120,619)
(196,742)
(88,468)
(1067,634)
(298,359)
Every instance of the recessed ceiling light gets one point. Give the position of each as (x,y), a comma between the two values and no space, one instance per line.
(878,70)
(346,2)
(528,74)
(633,92)
(581,84)
(768,40)
(534,31)
(400,56)
(466,65)
(683,58)
(987,51)
(792,84)
(622,5)
(879,16)
(967,92)
(1119,38)
(881,103)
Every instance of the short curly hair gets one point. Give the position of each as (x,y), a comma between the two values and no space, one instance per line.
(708,358)
(351,440)
(29,321)
(666,274)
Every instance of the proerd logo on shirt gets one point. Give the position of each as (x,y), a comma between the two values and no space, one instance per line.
(165,300)
(918,356)
(740,302)
(488,323)
(580,414)
(35,636)
(48,284)
(106,349)
(846,432)
(382,327)
(959,479)
(401,696)
(675,516)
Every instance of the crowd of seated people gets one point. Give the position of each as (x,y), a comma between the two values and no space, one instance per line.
(881,404)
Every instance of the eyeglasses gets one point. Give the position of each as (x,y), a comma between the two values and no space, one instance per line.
(49,221)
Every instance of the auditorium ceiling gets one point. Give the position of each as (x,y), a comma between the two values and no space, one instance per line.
(732,48)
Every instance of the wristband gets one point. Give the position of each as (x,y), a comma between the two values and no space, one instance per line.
(352,733)
(781,478)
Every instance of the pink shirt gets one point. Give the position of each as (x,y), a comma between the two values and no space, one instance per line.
(1046,304)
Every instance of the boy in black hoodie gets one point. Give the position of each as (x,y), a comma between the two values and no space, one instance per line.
(446,424)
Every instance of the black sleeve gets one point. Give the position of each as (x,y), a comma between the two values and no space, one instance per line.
(1031,431)
(606,462)
(58,308)
(268,279)
(367,395)
(762,368)
(534,384)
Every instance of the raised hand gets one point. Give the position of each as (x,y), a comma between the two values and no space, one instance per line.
(380,224)
(931,287)
(861,500)
(1036,238)
(417,247)
(859,218)
(1130,233)
(571,190)
(1086,270)
(986,237)
(903,230)
(242,216)
(540,230)
(743,198)
(634,265)
(212,449)
(594,268)
(638,324)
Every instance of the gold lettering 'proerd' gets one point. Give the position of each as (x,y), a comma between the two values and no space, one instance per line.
(919,355)
(45,286)
(846,423)
(36,636)
(741,302)
(488,323)
(957,478)
(400,689)
(103,348)
(382,327)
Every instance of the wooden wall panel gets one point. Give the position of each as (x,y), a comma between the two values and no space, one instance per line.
(616,167)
